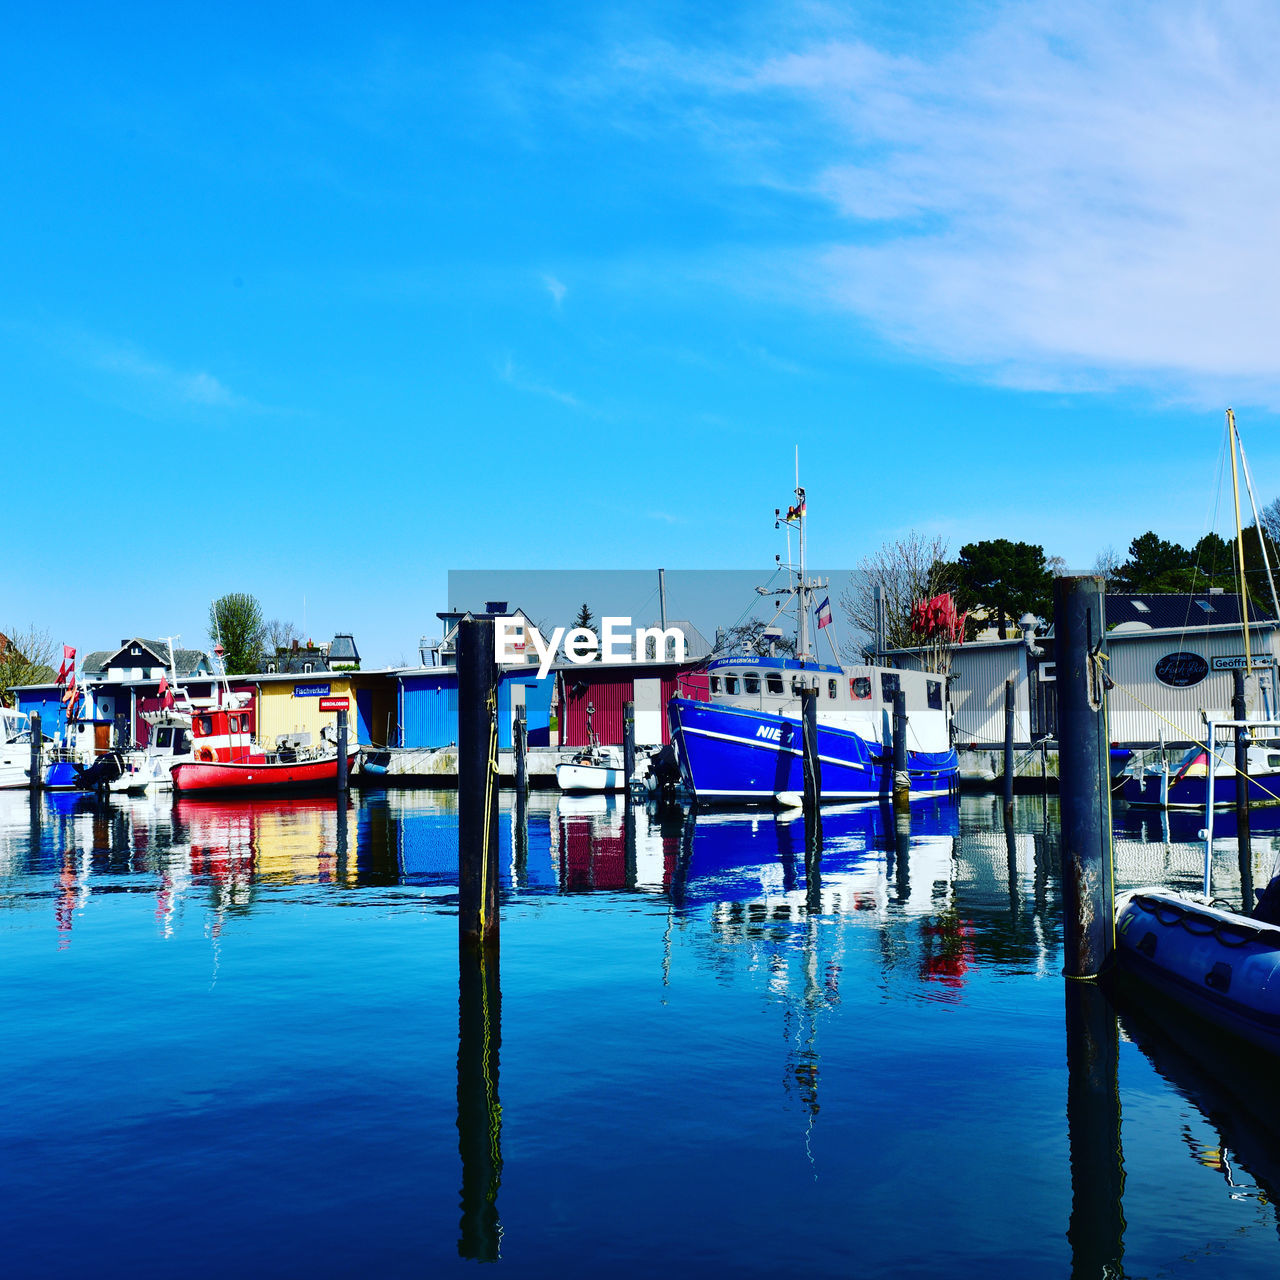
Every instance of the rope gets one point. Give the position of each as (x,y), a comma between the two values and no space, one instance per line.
(490,797)
(1195,742)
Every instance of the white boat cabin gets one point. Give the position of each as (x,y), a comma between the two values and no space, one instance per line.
(858,698)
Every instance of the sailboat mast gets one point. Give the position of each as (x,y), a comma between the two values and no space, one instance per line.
(1235,489)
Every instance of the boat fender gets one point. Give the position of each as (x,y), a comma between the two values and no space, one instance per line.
(205,753)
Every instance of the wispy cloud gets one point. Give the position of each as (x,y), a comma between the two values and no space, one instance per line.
(197,387)
(510,373)
(667,518)
(556,288)
(1068,196)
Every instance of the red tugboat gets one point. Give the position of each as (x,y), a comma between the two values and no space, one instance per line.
(226,758)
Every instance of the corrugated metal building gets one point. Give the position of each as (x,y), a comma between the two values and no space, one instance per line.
(289,704)
(428,706)
(605,687)
(47,700)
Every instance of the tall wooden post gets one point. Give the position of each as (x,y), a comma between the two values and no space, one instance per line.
(37,745)
(1244,844)
(901,771)
(342,752)
(809,736)
(1088,884)
(1010,694)
(477,784)
(521,730)
(628,746)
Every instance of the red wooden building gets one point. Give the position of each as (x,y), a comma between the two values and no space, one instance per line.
(604,687)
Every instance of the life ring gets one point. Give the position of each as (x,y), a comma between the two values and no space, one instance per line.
(205,753)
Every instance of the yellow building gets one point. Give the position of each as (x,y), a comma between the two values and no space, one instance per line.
(290,704)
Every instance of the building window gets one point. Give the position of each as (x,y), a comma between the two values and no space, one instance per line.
(135,652)
(307,668)
(271,668)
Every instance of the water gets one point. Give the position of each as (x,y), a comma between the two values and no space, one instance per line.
(232,1045)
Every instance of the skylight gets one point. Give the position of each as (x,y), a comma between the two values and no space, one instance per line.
(1205,605)
(1141,606)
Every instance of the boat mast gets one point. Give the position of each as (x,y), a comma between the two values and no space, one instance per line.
(1257,520)
(802,591)
(1235,489)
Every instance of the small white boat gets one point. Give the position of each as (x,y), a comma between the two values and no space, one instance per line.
(15,749)
(595,769)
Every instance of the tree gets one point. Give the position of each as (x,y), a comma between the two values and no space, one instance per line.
(746,637)
(1106,565)
(585,619)
(907,571)
(1271,519)
(26,657)
(1155,565)
(235,622)
(1005,578)
(277,635)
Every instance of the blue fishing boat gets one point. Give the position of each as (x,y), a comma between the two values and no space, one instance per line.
(1218,963)
(745,745)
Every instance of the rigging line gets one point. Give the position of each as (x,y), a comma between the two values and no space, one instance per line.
(1257,520)
(1244,586)
(1215,505)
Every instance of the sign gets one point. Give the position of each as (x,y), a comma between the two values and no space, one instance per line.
(1235,661)
(1181,670)
(310,690)
(335,704)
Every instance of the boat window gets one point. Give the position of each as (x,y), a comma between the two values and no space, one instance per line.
(860,687)
(935,694)
(715,684)
(1273,760)
(773,682)
(750,684)
(889,685)
(831,688)
(181,742)
(164,737)
(731,684)
(204,726)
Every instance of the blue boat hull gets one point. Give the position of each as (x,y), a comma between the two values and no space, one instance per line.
(1190,792)
(1220,965)
(729,754)
(62,775)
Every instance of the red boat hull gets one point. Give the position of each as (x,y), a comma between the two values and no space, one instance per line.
(223,776)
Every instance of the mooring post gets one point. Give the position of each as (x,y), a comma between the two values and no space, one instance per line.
(809,734)
(1244,844)
(477,784)
(628,746)
(342,752)
(479,1111)
(1010,696)
(901,775)
(813,861)
(1084,775)
(37,744)
(521,731)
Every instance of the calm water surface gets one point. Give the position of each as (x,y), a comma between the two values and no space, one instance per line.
(236,1042)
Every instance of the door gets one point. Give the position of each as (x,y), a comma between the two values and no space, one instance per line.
(517,701)
(648,702)
(101,739)
(364,718)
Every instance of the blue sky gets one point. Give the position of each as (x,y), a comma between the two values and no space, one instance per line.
(322,303)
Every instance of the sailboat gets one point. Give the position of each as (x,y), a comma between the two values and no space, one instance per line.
(744,745)
(1205,776)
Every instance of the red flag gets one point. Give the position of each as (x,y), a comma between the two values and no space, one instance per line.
(68,663)
(165,694)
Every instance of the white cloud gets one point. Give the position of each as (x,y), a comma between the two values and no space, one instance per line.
(556,288)
(1072,195)
(510,373)
(192,388)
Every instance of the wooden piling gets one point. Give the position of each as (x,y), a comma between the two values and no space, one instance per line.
(1010,703)
(1088,883)
(477,784)
(809,736)
(37,743)
(342,752)
(1244,844)
(521,731)
(901,773)
(628,746)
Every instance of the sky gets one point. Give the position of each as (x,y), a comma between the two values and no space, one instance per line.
(322,303)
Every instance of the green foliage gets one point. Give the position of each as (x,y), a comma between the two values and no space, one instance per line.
(235,621)
(1159,566)
(1004,578)
(585,618)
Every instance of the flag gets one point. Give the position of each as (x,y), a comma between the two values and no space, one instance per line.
(794,513)
(165,694)
(68,663)
(70,696)
(824,613)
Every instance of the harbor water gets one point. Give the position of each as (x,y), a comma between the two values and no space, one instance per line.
(237,1041)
